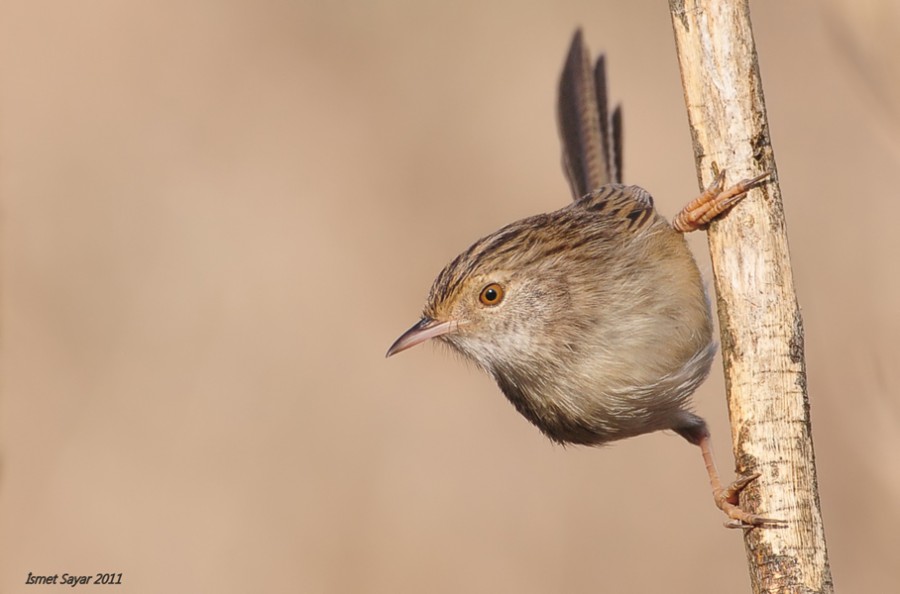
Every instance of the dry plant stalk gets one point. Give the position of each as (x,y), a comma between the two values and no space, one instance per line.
(761,327)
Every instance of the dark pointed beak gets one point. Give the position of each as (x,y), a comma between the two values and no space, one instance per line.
(425,328)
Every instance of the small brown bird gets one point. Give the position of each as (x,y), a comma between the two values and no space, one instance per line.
(592,319)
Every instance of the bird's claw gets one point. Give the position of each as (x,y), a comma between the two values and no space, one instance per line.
(715,200)
(727,500)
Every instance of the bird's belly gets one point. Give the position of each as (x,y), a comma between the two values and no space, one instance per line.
(593,409)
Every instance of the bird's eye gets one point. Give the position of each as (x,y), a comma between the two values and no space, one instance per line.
(491,294)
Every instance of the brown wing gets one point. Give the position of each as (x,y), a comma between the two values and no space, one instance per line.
(591,141)
(628,206)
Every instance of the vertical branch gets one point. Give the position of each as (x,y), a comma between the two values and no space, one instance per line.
(762,332)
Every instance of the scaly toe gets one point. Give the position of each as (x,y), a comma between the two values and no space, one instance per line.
(727,501)
(733,491)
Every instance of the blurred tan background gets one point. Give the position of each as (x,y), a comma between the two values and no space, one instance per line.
(216,216)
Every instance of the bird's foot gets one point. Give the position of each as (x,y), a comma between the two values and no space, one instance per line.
(727,501)
(714,201)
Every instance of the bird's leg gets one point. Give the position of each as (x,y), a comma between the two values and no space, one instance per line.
(713,202)
(726,498)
